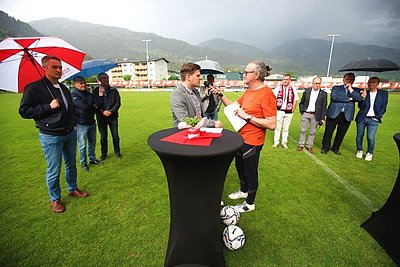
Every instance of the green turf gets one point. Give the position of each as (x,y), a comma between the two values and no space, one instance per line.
(304,215)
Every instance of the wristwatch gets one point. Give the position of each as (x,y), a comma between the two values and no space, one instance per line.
(249,118)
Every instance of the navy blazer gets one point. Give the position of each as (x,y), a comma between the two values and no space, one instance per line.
(340,99)
(380,104)
(320,103)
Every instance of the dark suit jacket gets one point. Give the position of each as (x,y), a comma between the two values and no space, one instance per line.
(380,104)
(340,99)
(320,104)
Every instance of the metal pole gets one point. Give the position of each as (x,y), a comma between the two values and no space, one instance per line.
(147,61)
(333,35)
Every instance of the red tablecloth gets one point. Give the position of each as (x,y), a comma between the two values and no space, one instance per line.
(181,138)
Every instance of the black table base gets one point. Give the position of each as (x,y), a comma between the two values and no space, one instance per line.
(196,177)
(384,225)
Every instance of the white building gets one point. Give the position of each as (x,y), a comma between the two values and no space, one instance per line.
(139,71)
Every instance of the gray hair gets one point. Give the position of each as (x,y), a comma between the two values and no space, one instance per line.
(262,69)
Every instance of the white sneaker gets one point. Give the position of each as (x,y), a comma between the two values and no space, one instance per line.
(244,207)
(359,154)
(238,194)
(275,146)
(368,157)
(285,146)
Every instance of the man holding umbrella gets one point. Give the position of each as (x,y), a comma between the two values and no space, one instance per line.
(49,103)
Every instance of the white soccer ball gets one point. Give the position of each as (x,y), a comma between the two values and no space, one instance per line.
(233,237)
(229,215)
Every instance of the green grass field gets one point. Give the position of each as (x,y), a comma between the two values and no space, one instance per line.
(305,215)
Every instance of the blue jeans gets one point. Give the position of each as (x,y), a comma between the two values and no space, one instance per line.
(55,148)
(86,142)
(102,125)
(212,115)
(372,127)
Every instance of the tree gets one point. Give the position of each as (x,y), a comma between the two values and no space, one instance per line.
(127,77)
(173,76)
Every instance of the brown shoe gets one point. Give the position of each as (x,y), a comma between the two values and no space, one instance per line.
(310,149)
(78,193)
(57,206)
(299,148)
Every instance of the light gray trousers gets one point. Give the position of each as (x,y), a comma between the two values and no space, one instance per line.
(307,120)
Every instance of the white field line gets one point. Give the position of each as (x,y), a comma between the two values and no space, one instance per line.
(364,200)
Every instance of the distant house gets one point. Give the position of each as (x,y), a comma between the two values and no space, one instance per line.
(139,71)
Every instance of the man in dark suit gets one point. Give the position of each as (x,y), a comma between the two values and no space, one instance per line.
(313,110)
(369,116)
(340,113)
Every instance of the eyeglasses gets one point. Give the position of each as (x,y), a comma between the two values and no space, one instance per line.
(247,72)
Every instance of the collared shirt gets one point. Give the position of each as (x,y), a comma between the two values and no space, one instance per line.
(313,100)
(372,97)
(195,101)
(62,94)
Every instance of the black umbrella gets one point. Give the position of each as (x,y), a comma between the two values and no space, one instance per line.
(373,65)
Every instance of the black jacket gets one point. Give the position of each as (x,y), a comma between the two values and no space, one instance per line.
(84,107)
(110,101)
(35,104)
(320,104)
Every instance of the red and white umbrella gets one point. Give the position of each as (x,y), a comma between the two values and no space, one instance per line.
(20,60)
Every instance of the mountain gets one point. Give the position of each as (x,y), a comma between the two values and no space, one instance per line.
(10,27)
(112,42)
(314,53)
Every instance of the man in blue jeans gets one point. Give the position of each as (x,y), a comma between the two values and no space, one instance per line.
(372,108)
(49,103)
(84,112)
(108,102)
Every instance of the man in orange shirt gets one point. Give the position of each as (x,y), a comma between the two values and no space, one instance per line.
(258,108)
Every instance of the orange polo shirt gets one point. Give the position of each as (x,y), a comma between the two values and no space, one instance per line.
(260,103)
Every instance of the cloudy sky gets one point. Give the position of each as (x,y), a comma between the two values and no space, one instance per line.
(262,23)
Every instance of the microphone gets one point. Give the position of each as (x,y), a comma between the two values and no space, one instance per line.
(206,84)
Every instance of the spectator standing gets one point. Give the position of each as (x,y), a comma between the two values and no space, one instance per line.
(340,113)
(372,108)
(49,104)
(286,99)
(313,110)
(108,102)
(84,112)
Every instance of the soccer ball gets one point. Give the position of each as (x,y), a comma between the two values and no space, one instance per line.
(229,215)
(233,237)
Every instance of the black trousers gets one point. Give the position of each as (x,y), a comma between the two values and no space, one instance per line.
(246,161)
(113,125)
(342,126)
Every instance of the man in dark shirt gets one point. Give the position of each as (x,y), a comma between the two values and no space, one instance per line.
(108,102)
(84,112)
(49,103)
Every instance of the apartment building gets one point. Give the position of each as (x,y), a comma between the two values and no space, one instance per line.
(139,70)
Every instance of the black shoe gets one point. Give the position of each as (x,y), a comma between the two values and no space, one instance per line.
(118,155)
(337,152)
(96,162)
(324,151)
(103,157)
(85,167)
